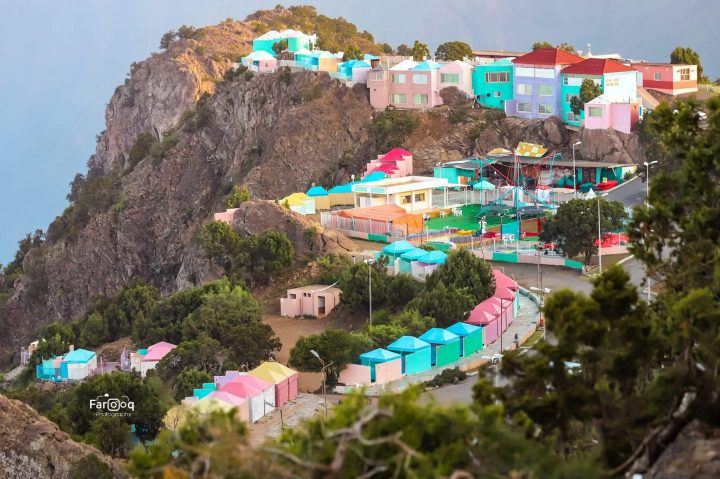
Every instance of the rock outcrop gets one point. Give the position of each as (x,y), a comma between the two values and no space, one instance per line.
(609,146)
(32,447)
(695,454)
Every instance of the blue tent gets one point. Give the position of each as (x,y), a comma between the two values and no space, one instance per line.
(397,248)
(346,68)
(78,356)
(374,176)
(471,337)
(367,57)
(408,344)
(433,257)
(439,336)
(413,254)
(317,191)
(378,355)
(463,329)
(346,188)
(427,65)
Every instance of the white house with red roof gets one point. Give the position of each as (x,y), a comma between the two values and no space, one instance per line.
(537,83)
(144,360)
(618,83)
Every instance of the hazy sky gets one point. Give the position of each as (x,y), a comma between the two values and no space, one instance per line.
(61,61)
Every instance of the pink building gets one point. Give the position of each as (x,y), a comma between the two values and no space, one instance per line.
(314,300)
(602,113)
(260,61)
(412,85)
(395,163)
(668,78)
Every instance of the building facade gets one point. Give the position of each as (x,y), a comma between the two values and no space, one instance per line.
(493,83)
(537,83)
(668,78)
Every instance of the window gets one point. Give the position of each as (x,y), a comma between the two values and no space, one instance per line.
(565,80)
(398,98)
(398,78)
(524,107)
(406,199)
(524,89)
(545,90)
(612,82)
(419,196)
(497,94)
(657,76)
(420,79)
(569,97)
(450,78)
(684,74)
(572,117)
(420,99)
(596,112)
(545,109)
(377,76)
(497,77)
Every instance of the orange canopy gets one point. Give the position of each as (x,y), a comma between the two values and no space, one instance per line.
(392,213)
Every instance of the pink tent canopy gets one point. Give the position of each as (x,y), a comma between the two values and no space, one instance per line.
(158,351)
(240,389)
(505,294)
(503,281)
(480,315)
(257,383)
(226,397)
(396,154)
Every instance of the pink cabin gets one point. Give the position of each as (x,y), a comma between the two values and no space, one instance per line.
(457,74)
(668,78)
(242,405)
(395,163)
(601,114)
(284,379)
(260,61)
(226,216)
(314,300)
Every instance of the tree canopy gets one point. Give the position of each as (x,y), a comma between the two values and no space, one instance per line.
(450,51)
(420,51)
(589,90)
(574,228)
(688,56)
(562,46)
(333,345)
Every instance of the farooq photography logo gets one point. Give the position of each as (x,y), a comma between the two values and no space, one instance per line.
(109,406)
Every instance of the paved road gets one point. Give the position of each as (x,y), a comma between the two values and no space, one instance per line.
(631,192)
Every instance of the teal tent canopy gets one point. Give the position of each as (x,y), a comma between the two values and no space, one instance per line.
(346,188)
(379,355)
(408,344)
(368,56)
(374,176)
(463,329)
(317,191)
(398,247)
(483,185)
(413,254)
(433,257)
(439,336)
(79,356)
(354,64)
(427,65)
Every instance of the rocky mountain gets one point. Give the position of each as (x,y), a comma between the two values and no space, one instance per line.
(184,128)
(33,447)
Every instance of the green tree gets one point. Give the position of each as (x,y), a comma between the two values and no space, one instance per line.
(383,334)
(387,49)
(333,345)
(401,289)
(94,331)
(189,379)
(90,467)
(167,39)
(238,196)
(280,46)
(354,283)
(221,312)
(445,304)
(464,271)
(111,435)
(404,50)
(539,45)
(203,353)
(589,90)
(140,149)
(688,56)
(450,51)
(352,53)
(574,228)
(420,51)
(562,46)
(413,322)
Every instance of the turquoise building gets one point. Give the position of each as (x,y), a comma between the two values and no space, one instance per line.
(493,83)
(296,41)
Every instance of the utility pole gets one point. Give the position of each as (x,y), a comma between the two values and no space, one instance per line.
(370,262)
(575,169)
(599,239)
(647,205)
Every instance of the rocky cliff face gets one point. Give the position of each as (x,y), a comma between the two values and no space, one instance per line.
(32,447)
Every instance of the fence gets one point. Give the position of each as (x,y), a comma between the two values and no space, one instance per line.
(295,64)
(352,226)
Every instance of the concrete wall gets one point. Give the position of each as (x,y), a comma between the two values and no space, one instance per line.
(355,374)
(447,353)
(473,343)
(417,362)
(388,371)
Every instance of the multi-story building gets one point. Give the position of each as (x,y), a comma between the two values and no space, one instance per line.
(296,41)
(618,83)
(413,85)
(668,78)
(493,83)
(537,83)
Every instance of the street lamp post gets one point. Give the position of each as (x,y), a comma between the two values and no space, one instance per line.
(324,377)
(647,205)
(599,239)
(542,292)
(575,169)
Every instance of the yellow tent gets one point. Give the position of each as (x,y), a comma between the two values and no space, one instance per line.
(176,417)
(209,405)
(279,368)
(530,149)
(299,203)
(499,152)
(268,374)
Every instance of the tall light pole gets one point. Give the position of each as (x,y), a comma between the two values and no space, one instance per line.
(324,377)
(599,239)
(543,292)
(575,169)
(370,262)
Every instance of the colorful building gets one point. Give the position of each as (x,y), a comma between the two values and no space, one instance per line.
(445,346)
(416,354)
(493,83)
(537,83)
(260,61)
(390,360)
(457,74)
(355,70)
(471,338)
(299,203)
(668,78)
(489,56)
(153,355)
(296,40)
(617,81)
(74,366)
(314,300)
(395,163)
(284,379)
(603,113)
(412,193)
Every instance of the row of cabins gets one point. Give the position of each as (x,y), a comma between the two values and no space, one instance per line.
(252,395)
(76,365)
(439,347)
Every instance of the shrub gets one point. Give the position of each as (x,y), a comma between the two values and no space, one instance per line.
(391,128)
(311,93)
(248,75)
(458,116)
(140,150)
(198,117)
(159,149)
(448,376)
(238,196)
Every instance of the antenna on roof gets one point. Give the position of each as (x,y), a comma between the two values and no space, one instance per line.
(589,52)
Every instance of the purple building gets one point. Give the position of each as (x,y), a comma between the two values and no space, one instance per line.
(537,83)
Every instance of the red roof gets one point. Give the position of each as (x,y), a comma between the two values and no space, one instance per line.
(548,56)
(597,66)
(385,168)
(395,154)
